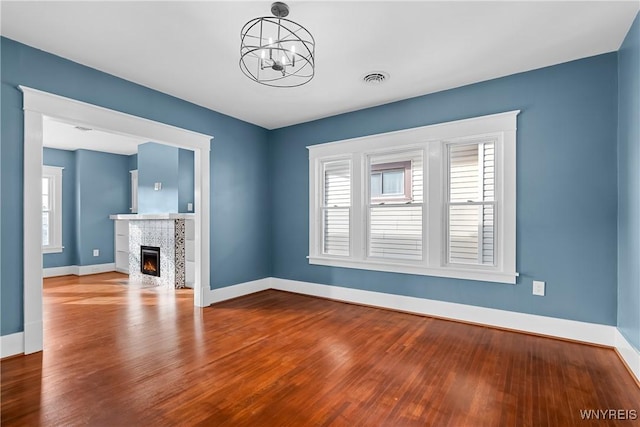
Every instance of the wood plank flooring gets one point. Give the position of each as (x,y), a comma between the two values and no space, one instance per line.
(117,355)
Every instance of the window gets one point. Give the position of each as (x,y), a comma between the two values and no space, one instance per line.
(51,209)
(437,200)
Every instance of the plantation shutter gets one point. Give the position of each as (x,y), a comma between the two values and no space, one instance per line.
(395,224)
(471,203)
(336,207)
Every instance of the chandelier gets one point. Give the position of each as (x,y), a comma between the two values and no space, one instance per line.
(275,51)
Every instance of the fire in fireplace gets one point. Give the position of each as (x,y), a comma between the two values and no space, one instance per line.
(150,260)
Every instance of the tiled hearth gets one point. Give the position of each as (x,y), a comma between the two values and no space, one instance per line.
(169,236)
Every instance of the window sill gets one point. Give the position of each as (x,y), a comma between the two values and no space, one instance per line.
(396,267)
(52,249)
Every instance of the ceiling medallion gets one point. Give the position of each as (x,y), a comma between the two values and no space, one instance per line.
(275,51)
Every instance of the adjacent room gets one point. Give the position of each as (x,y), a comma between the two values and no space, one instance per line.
(320,213)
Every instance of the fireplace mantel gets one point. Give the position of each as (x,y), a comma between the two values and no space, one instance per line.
(169,216)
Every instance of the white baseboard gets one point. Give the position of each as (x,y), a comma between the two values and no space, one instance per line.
(235,291)
(78,270)
(60,271)
(84,270)
(629,354)
(13,344)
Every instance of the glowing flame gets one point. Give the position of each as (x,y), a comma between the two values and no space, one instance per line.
(149,266)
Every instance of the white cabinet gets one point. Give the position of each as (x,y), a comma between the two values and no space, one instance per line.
(121,245)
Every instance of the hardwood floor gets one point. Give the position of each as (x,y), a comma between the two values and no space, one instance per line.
(124,356)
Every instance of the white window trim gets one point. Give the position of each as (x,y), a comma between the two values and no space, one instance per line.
(432,139)
(55,224)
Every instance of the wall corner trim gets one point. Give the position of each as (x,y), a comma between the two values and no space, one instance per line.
(629,354)
(12,344)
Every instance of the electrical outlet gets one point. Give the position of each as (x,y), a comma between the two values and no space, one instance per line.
(190,207)
(157,186)
(96,252)
(538,288)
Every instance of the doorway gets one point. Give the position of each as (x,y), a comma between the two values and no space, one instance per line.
(38,104)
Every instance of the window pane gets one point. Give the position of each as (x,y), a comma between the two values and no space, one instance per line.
(471,234)
(463,234)
(335,213)
(45,228)
(463,173)
(45,202)
(471,172)
(388,181)
(393,183)
(376,184)
(337,183)
(396,232)
(336,231)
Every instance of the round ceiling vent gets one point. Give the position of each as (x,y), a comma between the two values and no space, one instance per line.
(375,78)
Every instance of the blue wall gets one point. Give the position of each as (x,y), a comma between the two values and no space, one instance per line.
(101,190)
(171,166)
(67,160)
(629,185)
(186,184)
(157,163)
(240,232)
(94,186)
(566,189)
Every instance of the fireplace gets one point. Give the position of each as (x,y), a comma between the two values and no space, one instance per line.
(150,260)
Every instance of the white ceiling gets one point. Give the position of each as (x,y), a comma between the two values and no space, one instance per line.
(191,49)
(66,136)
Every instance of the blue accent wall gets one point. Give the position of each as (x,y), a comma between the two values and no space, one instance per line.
(101,190)
(240,232)
(566,190)
(67,160)
(157,163)
(629,185)
(186,180)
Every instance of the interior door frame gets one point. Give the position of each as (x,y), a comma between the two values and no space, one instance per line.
(37,105)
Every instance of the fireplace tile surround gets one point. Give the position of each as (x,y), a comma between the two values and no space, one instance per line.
(166,231)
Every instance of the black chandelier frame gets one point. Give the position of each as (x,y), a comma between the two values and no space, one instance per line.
(288,60)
